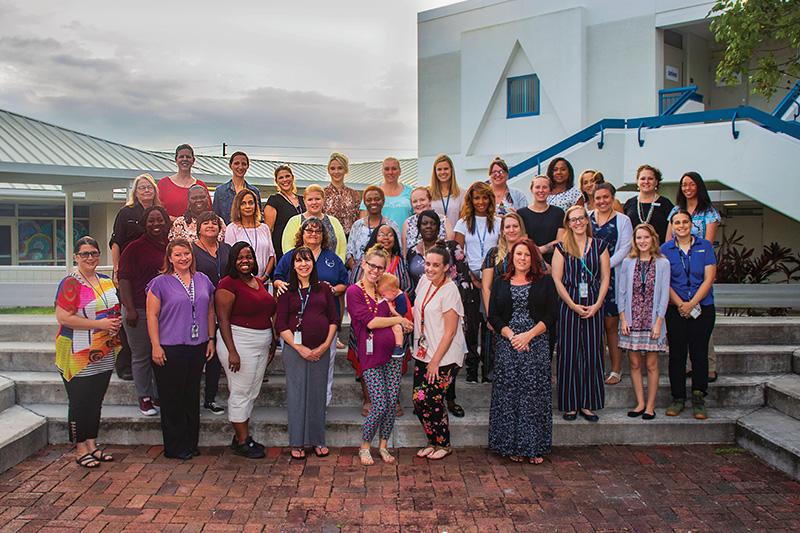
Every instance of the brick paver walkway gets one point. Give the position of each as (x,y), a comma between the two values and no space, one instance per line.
(634,488)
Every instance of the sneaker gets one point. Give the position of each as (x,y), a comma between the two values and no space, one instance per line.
(472,376)
(398,352)
(249,450)
(214,408)
(248,440)
(146,407)
(699,405)
(486,380)
(156,403)
(676,408)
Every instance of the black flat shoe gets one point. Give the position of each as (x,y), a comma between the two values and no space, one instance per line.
(570,416)
(634,414)
(195,453)
(648,416)
(590,418)
(712,380)
(457,410)
(182,456)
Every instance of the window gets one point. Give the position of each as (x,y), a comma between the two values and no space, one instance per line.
(523,96)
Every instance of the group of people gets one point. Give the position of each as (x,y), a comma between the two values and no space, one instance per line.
(439,276)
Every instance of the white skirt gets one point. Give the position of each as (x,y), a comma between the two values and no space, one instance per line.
(244,385)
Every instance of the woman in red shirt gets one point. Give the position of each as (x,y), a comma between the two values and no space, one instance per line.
(173,190)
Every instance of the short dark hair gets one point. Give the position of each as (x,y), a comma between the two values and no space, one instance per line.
(428,213)
(183,147)
(85,240)
(160,209)
(312,221)
(207,216)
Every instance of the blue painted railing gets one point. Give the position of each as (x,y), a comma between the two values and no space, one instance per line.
(670,100)
(787,102)
(761,118)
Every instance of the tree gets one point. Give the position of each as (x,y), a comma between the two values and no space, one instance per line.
(766,32)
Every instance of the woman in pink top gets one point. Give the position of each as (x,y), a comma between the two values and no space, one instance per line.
(173,190)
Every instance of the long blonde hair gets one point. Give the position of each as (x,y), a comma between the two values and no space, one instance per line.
(570,246)
(502,241)
(132,200)
(436,187)
(655,248)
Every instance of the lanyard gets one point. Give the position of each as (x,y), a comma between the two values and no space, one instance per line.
(686,267)
(303,302)
(644,271)
(426,301)
(394,263)
(369,228)
(296,207)
(585,266)
(255,237)
(189,293)
(482,239)
(215,256)
(369,305)
(101,294)
(446,204)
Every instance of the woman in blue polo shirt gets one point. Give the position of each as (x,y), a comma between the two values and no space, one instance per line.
(691,313)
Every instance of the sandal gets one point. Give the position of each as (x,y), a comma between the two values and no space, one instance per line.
(340,345)
(318,451)
(298,453)
(365,456)
(88,461)
(426,451)
(398,411)
(536,460)
(385,455)
(434,457)
(516,459)
(100,456)
(365,410)
(613,378)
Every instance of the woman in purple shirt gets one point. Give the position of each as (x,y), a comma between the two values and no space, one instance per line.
(372,321)
(180,316)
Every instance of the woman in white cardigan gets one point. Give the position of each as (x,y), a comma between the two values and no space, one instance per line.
(616,230)
(643,294)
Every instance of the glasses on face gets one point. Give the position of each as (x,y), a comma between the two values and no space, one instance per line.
(86,255)
(384,235)
(375,268)
(145,188)
(575,220)
(497,172)
(313,231)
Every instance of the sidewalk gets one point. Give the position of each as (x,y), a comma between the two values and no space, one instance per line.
(638,488)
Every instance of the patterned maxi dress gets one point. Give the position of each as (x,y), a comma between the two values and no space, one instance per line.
(521,415)
(580,341)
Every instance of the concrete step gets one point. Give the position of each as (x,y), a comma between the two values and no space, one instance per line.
(728,391)
(22,433)
(796,361)
(125,425)
(783,394)
(7,393)
(28,328)
(757,330)
(774,437)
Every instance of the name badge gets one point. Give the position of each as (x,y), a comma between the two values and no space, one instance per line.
(298,337)
(195,331)
(583,289)
(369,345)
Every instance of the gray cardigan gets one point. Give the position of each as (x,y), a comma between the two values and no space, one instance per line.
(624,288)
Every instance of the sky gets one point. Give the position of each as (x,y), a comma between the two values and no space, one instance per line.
(260,76)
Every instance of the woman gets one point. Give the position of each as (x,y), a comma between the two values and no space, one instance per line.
(397,199)
(173,190)
(615,229)
(447,197)
(497,259)
(581,273)
(244,311)
(246,226)
(340,200)
(282,206)
(185,227)
(224,194)
(396,265)
(563,193)
(524,305)
(586,182)
(88,312)
(138,265)
(643,294)
(211,258)
(374,199)
(307,321)
(477,232)
(371,321)
(508,199)
(691,313)
(180,320)
(329,268)
(127,229)
(421,201)
(648,207)
(428,229)
(439,351)
(544,223)
(314,197)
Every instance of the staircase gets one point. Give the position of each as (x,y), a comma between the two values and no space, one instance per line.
(755,402)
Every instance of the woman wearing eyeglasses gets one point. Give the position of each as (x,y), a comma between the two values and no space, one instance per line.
(89,314)
(581,272)
(371,321)
(508,199)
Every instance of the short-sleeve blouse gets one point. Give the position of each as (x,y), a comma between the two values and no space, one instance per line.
(181,230)
(700,220)
(342,204)
(446,298)
(259,238)
(252,308)
(320,313)
(565,199)
(175,320)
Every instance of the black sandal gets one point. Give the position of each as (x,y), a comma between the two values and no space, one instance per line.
(88,461)
(103,457)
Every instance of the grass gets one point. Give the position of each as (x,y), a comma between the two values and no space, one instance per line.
(49,310)
(721,451)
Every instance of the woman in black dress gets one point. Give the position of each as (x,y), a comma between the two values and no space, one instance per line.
(282,206)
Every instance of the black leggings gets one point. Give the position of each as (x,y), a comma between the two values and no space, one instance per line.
(85,396)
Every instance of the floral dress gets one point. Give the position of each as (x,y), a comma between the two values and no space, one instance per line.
(641,320)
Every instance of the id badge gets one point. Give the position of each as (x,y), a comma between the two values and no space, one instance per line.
(298,337)
(696,311)
(195,331)
(583,289)
(369,345)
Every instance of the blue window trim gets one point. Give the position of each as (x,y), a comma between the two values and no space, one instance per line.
(508,97)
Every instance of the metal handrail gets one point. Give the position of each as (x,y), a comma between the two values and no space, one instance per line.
(676,98)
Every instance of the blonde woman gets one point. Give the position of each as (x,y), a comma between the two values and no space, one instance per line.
(586,182)
(127,229)
(282,206)
(340,200)
(421,201)
(447,197)
(581,272)
(314,197)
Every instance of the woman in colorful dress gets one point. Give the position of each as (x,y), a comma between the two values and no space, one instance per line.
(615,229)
(447,197)
(524,305)
(340,200)
(282,206)
(185,227)
(581,273)
(642,296)
(648,207)
(371,320)
(421,201)
(88,312)
(246,226)
(173,190)
(439,351)
(563,193)
(508,198)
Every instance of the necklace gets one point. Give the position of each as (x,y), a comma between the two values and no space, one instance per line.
(296,206)
(367,297)
(645,220)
